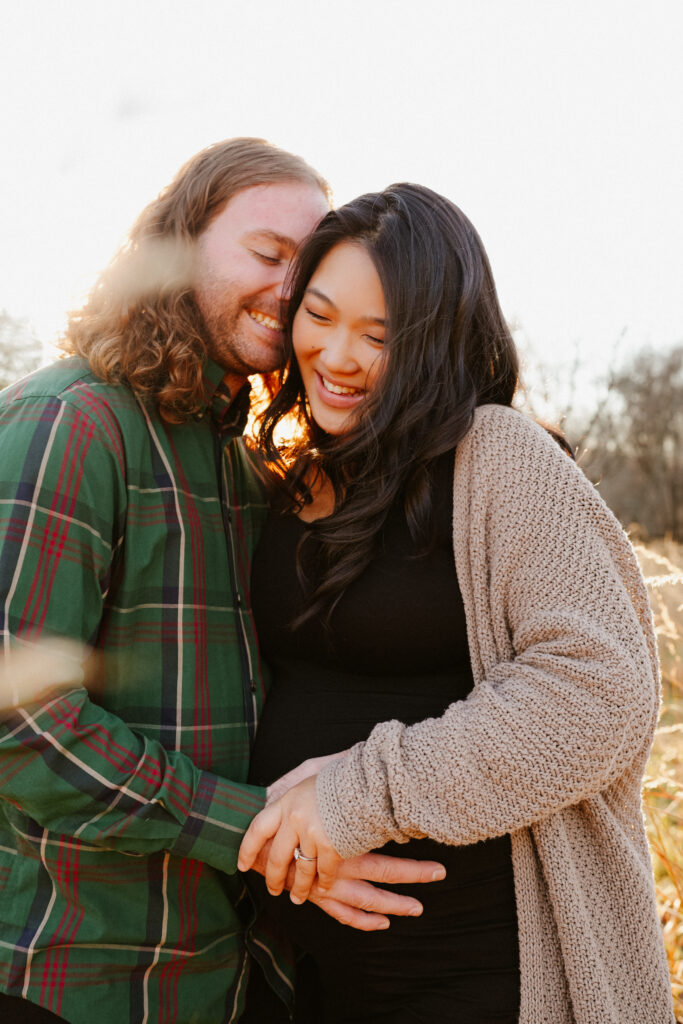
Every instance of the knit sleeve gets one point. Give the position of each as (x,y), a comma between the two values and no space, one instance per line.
(565,700)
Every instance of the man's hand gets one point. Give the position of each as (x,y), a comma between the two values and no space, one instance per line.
(354,901)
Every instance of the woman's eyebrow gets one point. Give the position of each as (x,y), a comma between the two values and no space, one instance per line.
(361,319)
(320,295)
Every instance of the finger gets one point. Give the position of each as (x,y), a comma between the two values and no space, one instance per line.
(328,865)
(263,826)
(366,896)
(379,867)
(351,916)
(281,856)
(304,877)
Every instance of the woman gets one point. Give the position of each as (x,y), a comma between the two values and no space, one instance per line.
(443,569)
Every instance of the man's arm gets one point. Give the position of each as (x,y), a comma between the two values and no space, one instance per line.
(352,900)
(72,766)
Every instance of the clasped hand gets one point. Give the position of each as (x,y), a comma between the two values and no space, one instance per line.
(292,821)
(342,888)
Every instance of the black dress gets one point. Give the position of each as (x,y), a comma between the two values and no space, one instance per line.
(397,649)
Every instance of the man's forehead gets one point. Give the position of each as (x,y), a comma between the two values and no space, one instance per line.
(277,209)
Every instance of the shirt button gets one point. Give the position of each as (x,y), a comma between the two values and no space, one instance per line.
(238,599)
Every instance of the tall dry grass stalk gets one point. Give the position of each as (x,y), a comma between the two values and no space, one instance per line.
(662,565)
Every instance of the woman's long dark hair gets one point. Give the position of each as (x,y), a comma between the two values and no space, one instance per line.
(448,350)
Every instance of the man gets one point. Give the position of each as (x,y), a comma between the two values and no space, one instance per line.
(128,514)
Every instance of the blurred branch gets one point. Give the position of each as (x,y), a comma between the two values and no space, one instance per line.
(630,440)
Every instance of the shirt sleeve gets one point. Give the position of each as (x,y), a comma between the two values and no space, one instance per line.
(72,766)
(566,697)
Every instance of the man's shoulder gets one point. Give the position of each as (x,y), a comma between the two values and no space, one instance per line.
(52,381)
(71,382)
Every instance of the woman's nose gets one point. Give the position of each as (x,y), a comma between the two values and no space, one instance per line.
(338,353)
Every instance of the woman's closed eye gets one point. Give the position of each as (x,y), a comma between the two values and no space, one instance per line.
(317,317)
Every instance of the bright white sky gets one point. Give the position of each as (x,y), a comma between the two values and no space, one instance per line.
(557,127)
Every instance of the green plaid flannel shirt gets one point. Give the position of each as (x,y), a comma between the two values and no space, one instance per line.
(122,806)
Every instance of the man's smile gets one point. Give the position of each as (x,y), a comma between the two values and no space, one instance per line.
(265,319)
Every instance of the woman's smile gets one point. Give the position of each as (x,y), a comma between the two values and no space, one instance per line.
(339,396)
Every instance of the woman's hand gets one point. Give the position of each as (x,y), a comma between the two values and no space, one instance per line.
(302,771)
(292,822)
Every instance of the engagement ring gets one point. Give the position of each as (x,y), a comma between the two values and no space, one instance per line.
(298,855)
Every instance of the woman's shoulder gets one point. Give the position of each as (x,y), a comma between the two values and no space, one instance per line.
(506,441)
(511,465)
(511,468)
(502,421)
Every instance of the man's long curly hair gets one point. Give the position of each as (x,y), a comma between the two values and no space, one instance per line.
(141,324)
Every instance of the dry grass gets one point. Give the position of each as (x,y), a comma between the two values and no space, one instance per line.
(662,565)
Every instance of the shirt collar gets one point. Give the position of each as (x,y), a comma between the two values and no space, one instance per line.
(228,413)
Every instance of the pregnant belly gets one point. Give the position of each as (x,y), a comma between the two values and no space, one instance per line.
(311,711)
(469,918)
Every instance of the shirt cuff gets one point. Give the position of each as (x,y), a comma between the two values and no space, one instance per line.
(220,815)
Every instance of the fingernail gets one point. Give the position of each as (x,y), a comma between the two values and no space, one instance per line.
(416,910)
(439,875)
(273,892)
(295,899)
(383,925)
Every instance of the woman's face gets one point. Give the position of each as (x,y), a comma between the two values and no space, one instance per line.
(338,335)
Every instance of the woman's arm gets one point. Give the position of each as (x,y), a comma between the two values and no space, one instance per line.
(563,653)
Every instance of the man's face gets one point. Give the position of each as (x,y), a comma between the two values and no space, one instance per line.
(242,260)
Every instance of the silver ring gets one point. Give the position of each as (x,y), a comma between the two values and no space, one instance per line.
(298,855)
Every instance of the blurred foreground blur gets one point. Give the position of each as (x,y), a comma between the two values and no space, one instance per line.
(34,672)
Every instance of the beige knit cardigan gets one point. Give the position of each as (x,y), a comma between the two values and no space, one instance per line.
(551,744)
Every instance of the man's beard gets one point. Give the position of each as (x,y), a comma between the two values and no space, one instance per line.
(230,342)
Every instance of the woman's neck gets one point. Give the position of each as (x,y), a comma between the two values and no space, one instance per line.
(322,504)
